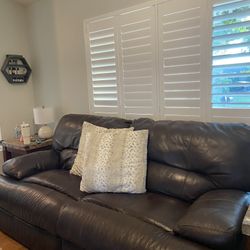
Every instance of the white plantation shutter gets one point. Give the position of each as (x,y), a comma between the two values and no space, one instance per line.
(173,59)
(102,66)
(180,27)
(231,61)
(138,71)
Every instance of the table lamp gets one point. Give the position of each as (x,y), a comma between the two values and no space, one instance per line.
(44,116)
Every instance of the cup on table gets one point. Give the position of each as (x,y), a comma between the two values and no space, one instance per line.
(25,130)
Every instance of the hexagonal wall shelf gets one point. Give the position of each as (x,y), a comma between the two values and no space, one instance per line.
(16,69)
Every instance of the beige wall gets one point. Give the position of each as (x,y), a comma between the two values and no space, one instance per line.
(56,28)
(52,32)
(16,101)
(42,35)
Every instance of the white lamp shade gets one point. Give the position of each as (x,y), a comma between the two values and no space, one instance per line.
(43,115)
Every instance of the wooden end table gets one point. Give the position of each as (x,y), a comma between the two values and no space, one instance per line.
(14,148)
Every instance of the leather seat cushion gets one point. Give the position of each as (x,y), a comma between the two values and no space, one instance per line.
(34,204)
(59,180)
(90,226)
(160,210)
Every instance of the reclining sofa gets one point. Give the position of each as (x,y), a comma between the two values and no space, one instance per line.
(198,177)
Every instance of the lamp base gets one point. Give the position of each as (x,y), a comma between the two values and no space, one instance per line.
(45,132)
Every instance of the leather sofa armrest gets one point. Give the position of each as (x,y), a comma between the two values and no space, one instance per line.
(215,219)
(30,164)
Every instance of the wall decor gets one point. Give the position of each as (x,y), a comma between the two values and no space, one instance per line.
(16,69)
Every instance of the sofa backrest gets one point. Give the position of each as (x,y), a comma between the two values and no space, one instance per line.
(68,133)
(187,159)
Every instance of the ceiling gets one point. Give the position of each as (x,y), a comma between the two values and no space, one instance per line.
(25,2)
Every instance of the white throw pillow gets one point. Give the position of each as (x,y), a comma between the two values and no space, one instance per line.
(81,153)
(116,161)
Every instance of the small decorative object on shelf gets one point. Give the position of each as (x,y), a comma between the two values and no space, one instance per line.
(25,130)
(17,132)
(16,69)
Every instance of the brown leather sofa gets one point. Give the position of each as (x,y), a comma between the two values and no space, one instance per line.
(197,183)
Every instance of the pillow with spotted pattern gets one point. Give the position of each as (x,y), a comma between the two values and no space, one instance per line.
(116,161)
(81,153)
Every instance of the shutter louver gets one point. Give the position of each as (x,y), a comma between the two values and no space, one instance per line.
(180,59)
(138,62)
(103,66)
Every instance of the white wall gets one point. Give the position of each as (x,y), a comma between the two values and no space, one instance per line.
(16,101)
(56,28)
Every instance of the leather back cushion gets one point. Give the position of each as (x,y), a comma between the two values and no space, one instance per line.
(186,159)
(172,181)
(68,132)
(189,158)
